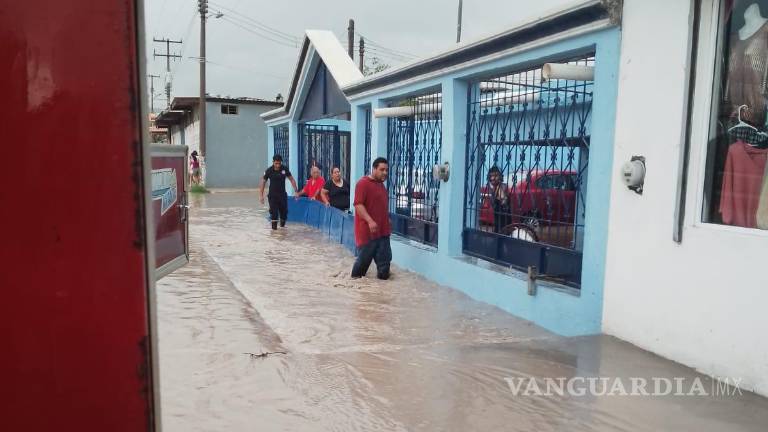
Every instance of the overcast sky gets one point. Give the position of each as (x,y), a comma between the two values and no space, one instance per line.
(250,52)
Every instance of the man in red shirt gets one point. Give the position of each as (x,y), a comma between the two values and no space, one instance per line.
(372,227)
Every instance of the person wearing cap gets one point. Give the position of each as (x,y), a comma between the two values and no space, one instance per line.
(278,198)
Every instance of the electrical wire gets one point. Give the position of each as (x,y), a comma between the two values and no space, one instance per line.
(258,24)
(257,33)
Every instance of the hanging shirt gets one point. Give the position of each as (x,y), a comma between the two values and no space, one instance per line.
(373,195)
(742,181)
(314,186)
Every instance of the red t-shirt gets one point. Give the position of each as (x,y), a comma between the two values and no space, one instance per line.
(373,195)
(313,187)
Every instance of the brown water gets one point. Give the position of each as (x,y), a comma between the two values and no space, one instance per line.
(369,355)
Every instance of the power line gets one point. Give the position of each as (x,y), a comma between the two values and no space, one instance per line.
(257,29)
(255,32)
(168,56)
(258,24)
(370,41)
(388,55)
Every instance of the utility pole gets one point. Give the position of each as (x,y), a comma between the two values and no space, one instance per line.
(362,55)
(168,93)
(168,56)
(351,39)
(152,91)
(203,8)
(458,26)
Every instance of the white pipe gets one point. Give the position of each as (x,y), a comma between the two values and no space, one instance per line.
(568,72)
(407,111)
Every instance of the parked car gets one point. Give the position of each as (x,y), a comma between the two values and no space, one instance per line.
(541,198)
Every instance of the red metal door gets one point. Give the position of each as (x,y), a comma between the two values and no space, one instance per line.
(169,207)
(74,268)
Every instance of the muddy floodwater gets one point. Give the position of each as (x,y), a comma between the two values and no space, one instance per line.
(368,355)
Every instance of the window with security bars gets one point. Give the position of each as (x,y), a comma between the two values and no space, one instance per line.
(526,170)
(229,109)
(280,135)
(414,141)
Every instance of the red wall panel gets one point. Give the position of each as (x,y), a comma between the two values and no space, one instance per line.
(73,264)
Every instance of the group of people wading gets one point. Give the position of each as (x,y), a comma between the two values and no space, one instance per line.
(372,226)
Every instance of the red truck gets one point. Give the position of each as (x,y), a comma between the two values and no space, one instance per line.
(542,198)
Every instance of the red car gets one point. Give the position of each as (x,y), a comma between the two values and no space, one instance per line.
(543,198)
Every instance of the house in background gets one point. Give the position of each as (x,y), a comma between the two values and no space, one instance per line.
(157,134)
(236,144)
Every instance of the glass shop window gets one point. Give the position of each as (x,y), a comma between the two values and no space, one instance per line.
(736,185)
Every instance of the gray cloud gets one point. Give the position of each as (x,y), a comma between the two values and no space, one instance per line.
(256,62)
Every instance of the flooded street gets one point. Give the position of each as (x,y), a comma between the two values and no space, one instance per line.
(369,355)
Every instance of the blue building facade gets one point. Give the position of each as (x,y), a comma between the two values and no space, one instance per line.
(487,106)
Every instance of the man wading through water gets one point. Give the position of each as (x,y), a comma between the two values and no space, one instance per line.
(278,198)
(372,228)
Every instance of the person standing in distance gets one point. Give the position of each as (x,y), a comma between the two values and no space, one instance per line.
(372,227)
(278,198)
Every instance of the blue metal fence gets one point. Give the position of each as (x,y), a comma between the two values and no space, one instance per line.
(280,135)
(527,156)
(413,145)
(325,147)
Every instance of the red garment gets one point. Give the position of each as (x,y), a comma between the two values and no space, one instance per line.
(373,195)
(313,187)
(742,178)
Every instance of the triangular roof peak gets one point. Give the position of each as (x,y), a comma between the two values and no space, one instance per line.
(332,54)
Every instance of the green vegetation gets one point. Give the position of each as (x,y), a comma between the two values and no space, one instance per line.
(198,189)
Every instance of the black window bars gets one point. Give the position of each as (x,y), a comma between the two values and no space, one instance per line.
(526,166)
(414,141)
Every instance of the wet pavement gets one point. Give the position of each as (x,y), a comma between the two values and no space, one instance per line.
(369,355)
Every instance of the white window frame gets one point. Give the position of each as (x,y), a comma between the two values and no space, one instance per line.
(706,75)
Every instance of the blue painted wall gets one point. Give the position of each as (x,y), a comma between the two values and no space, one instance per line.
(564,311)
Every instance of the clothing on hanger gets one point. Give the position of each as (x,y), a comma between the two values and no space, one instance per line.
(747,82)
(742,180)
(762,206)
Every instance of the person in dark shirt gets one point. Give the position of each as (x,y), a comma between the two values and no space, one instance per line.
(278,198)
(335,193)
(372,226)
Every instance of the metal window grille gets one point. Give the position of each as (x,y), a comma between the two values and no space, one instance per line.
(532,135)
(367,149)
(280,135)
(413,148)
(325,147)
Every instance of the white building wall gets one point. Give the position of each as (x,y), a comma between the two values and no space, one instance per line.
(702,302)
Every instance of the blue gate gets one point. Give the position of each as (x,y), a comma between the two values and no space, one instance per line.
(527,157)
(280,135)
(413,144)
(325,147)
